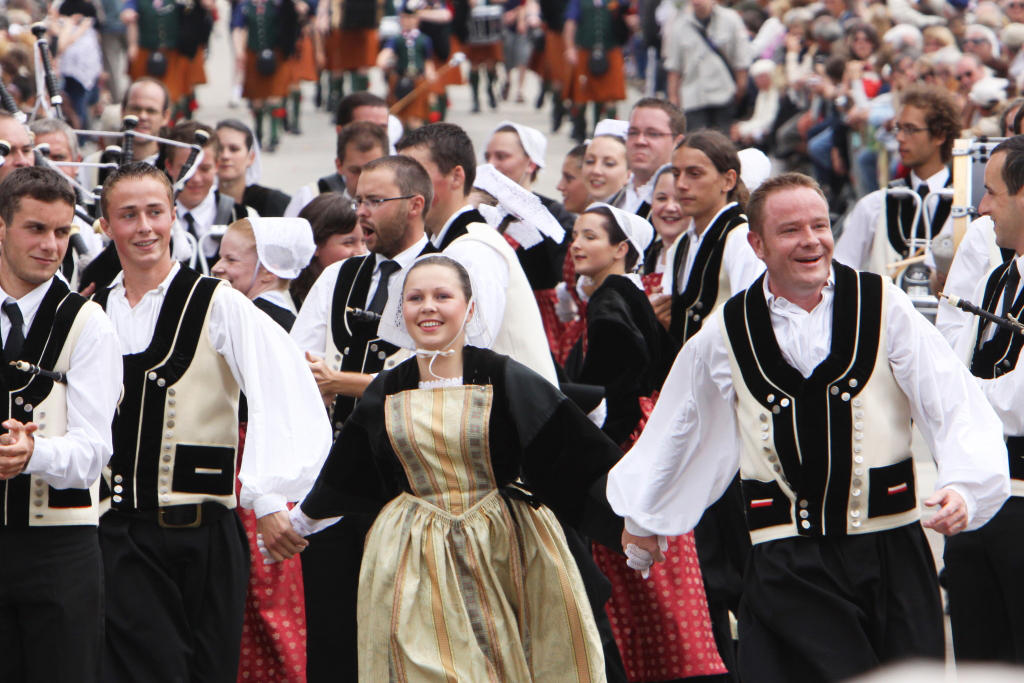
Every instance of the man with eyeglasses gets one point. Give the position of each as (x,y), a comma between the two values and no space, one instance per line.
(878,230)
(337,328)
(655,128)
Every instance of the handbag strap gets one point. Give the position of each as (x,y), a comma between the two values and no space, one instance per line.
(714,48)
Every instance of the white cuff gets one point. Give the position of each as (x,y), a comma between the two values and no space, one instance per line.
(305,525)
(42,458)
(637,530)
(268,504)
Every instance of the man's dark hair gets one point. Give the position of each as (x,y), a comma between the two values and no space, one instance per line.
(410,177)
(364,135)
(676,117)
(136,170)
(1013,167)
(351,102)
(185,131)
(449,146)
(941,113)
(35,182)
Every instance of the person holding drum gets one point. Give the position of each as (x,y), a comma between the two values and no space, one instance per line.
(477,29)
(406,61)
(594,33)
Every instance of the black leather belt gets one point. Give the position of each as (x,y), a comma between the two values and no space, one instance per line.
(189,516)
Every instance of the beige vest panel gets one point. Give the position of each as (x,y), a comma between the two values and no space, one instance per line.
(52,417)
(880,436)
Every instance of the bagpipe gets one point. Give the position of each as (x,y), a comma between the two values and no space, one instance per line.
(964,196)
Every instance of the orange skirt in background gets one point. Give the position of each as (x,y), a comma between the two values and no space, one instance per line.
(303,62)
(197,69)
(479,54)
(178,78)
(260,87)
(349,49)
(550,63)
(611,87)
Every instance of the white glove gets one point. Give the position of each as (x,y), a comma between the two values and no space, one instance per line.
(641,560)
(267,559)
(565,307)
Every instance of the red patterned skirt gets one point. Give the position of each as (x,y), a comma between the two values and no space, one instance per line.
(274,630)
(661,624)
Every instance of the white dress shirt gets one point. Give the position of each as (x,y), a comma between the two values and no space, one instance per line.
(204,213)
(976,256)
(289,435)
(311,325)
(689,450)
(636,196)
(738,257)
(853,248)
(76,459)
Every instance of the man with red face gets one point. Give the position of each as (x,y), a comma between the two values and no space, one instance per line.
(806,384)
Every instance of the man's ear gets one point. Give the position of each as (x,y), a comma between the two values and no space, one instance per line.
(756,243)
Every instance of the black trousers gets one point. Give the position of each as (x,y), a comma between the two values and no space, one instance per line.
(985,581)
(723,545)
(51,604)
(175,599)
(827,609)
(330,579)
(719,118)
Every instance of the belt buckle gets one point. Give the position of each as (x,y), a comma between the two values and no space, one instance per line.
(194,524)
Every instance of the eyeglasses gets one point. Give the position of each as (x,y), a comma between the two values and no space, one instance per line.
(1015,5)
(908,128)
(373,203)
(961,77)
(976,41)
(633,134)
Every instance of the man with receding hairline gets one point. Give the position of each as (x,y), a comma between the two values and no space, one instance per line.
(806,383)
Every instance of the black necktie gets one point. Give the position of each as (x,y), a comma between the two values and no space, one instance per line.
(190,225)
(682,250)
(922,190)
(380,297)
(1010,285)
(16,336)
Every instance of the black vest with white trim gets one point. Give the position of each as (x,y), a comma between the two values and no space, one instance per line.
(176,429)
(826,455)
(707,287)
(27,500)
(998,356)
(352,343)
